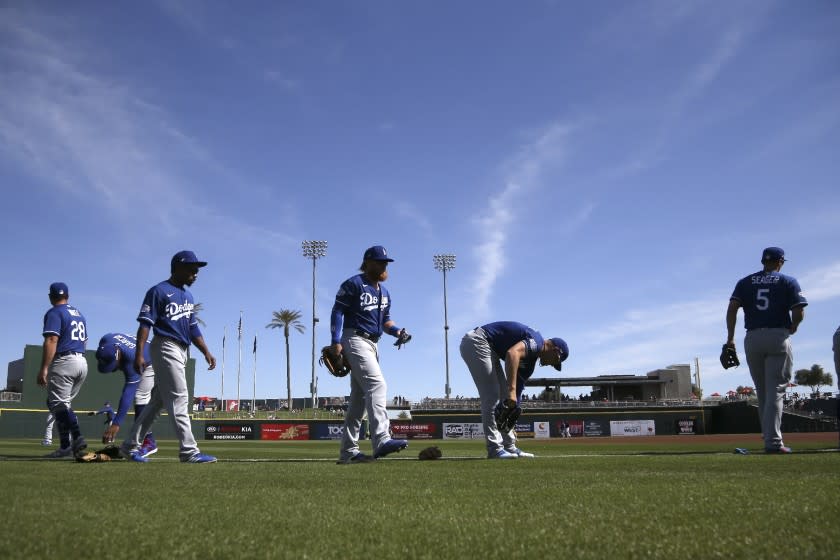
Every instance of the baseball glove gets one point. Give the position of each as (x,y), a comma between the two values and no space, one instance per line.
(336,364)
(430,453)
(402,338)
(92,457)
(729,357)
(506,414)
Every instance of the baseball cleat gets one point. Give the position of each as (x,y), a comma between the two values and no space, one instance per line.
(782,450)
(742,451)
(390,446)
(137,457)
(355,459)
(199,458)
(519,453)
(502,454)
(46,442)
(60,453)
(149,449)
(79,446)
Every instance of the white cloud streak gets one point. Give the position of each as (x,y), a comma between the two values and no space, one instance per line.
(523,174)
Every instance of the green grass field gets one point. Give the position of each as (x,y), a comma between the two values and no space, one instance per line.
(652,498)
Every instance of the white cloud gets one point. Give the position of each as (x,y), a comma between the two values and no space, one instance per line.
(523,173)
(821,284)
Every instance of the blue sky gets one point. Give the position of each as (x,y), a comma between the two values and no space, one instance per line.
(604,172)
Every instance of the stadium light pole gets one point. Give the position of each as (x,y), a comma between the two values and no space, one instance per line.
(313,250)
(443,263)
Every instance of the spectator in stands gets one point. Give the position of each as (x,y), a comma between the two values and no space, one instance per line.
(520,346)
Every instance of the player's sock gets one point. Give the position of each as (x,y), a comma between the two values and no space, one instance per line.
(73,423)
(63,427)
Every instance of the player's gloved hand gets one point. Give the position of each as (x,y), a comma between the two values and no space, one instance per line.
(729,356)
(506,413)
(402,338)
(110,433)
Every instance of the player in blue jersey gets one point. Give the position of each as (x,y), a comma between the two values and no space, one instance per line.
(773,308)
(116,351)
(520,347)
(168,310)
(64,368)
(360,315)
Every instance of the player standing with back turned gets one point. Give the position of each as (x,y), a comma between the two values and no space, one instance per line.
(63,367)
(773,308)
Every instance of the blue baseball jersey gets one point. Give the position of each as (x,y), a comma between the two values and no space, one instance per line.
(501,335)
(168,309)
(69,325)
(128,349)
(364,307)
(767,298)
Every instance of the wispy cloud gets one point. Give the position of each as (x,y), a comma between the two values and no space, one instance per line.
(821,284)
(410,213)
(523,173)
(95,138)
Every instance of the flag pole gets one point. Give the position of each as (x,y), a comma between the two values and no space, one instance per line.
(224,337)
(239,367)
(254,395)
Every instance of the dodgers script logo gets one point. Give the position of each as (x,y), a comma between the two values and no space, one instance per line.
(370,301)
(175,311)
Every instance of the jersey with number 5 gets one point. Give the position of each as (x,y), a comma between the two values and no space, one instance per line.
(69,325)
(767,298)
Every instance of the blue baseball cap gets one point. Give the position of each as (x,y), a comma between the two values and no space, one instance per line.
(187,257)
(377,253)
(773,254)
(58,289)
(106,357)
(560,345)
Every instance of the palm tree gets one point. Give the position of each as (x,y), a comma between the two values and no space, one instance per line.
(198,308)
(286,319)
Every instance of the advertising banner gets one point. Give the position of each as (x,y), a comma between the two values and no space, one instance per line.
(687,426)
(412,430)
(632,428)
(524,430)
(594,428)
(285,431)
(228,431)
(325,431)
(542,430)
(463,431)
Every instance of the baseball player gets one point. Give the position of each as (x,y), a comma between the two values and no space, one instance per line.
(773,308)
(116,351)
(168,310)
(64,368)
(483,349)
(361,313)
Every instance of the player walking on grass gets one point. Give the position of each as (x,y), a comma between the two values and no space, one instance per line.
(361,313)
(64,368)
(116,351)
(168,310)
(773,308)
(500,386)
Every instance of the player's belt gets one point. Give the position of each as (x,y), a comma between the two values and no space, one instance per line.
(371,337)
(69,353)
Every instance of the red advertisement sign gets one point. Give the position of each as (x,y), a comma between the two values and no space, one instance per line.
(410,430)
(285,431)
